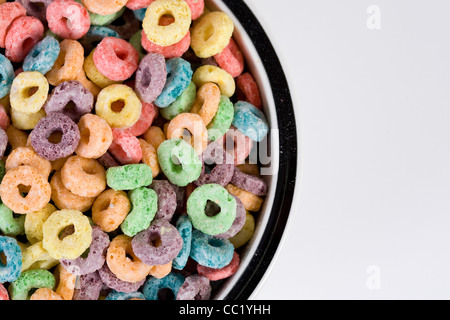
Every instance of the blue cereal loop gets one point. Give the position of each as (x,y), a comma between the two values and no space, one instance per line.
(172,281)
(115,295)
(42,56)
(6,75)
(139,13)
(250,121)
(184,227)
(210,251)
(11,271)
(179,75)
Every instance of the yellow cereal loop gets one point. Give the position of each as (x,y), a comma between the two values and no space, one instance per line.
(26,121)
(250,201)
(73,245)
(246,233)
(29,92)
(34,222)
(94,75)
(214,74)
(36,257)
(119,105)
(211,34)
(173,33)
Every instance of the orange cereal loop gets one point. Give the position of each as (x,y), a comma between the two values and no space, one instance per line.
(207,102)
(155,136)
(250,201)
(96,136)
(58,163)
(69,63)
(104,7)
(160,271)
(110,209)
(24,179)
(83,177)
(65,282)
(26,156)
(150,156)
(64,199)
(45,294)
(16,138)
(194,124)
(126,269)
(92,87)
(251,169)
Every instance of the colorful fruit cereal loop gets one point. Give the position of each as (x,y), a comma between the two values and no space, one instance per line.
(102,7)
(155,136)
(173,51)
(6,75)
(184,227)
(11,268)
(167,199)
(42,56)
(95,136)
(65,282)
(207,102)
(161,271)
(152,286)
(188,167)
(110,209)
(35,221)
(73,245)
(238,222)
(197,8)
(8,13)
(246,233)
(3,293)
(9,225)
(250,121)
(4,118)
(150,157)
(196,207)
(129,177)
(236,143)
(38,194)
(125,147)
(196,127)
(96,256)
(124,268)
(91,86)
(68,64)
(135,41)
(223,273)
(210,251)
(231,59)
(26,156)
(26,121)
(96,34)
(111,281)
(45,294)
(68,19)
(223,79)
(223,171)
(222,120)
(36,257)
(22,35)
(250,201)
(94,75)
(119,105)
(173,33)
(182,104)
(83,177)
(144,205)
(36,8)
(179,76)
(103,20)
(115,295)
(250,183)
(29,92)
(29,280)
(211,34)
(138,4)
(116,58)
(195,287)
(88,287)
(151,77)
(148,113)
(247,90)
(249,168)
(16,138)
(65,199)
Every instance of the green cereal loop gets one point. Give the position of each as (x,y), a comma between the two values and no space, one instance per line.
(221,122)
(135,41)
(51,34)
(144,203)
(38,278)
(99,20)
(183,103)
(196,209)
(189,166)
(129,177)
(9,225)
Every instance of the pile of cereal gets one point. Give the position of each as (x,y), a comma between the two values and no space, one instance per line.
(117,181)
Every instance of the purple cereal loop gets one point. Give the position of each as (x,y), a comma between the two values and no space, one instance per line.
(36,8)
(169,243)
(249,183)
(115,283)
(223,172)
(195,287)
(108,161)
(167,199)
(87,287)
(238,222)
(151,77)
(3,142)
(96,257)
(55,122)
(66,92)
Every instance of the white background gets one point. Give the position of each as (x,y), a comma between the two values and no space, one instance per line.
(373,106)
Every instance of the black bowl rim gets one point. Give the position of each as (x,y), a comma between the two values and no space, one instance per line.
(287,172)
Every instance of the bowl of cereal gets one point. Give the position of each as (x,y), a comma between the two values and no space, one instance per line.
(149,150)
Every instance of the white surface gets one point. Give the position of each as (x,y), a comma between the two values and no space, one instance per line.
(372,215)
